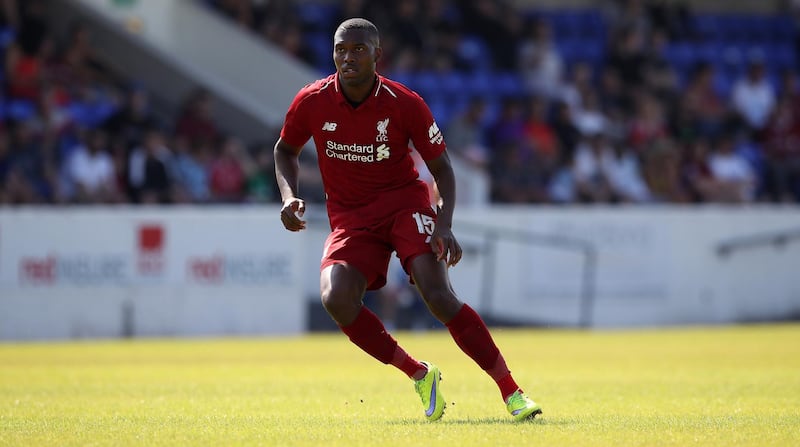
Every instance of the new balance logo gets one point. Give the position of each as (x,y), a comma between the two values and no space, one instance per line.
(329,126)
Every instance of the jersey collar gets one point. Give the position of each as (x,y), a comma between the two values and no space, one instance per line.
(340,94)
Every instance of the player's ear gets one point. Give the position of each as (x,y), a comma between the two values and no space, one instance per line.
(378,53)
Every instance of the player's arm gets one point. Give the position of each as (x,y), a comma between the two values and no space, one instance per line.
(287,171)
(444,243)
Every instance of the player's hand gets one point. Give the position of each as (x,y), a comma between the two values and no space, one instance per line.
(292,214)
(445,246)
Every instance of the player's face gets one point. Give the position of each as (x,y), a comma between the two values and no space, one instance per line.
(355,54)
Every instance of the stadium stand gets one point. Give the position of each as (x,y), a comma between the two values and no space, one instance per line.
(654,82)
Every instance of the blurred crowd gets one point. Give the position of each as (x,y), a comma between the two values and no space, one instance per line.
(604,112)
(74,132)
(607,111)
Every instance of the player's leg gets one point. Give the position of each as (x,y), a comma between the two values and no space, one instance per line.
(469,331)
(348,270)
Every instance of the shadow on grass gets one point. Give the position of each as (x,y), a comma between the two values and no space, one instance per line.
(489,421)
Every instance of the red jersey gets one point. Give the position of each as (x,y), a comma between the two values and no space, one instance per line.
(363,152)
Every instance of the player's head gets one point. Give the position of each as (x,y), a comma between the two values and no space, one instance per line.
(356,50)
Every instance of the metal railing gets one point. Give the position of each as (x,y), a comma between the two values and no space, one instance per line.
(777,239)
(492,235)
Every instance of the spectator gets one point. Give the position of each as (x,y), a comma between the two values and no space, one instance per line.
(540,64)
(540,136)
(498,25)
(624,176)
(782,151)
(592,184)
(26,71)
(261,184)
(567,133)
(648,123)
(189,170)
(627,57)
(195,121)
(148,177)
(732,170)
(517,175)
(132,120)
(661,170)
(32,167)
(292,42)
(91,172)
(469,155)
(753,97)
(227,177)
(703,103)
(6,163)
(695,173)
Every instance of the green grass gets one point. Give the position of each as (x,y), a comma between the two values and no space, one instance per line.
(726,386)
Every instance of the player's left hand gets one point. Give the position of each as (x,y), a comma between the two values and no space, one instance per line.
(445,246)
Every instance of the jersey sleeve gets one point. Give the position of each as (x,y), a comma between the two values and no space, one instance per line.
(296,131)
(425,133)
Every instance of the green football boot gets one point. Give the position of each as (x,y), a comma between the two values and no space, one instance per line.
(430,392)
(522,407)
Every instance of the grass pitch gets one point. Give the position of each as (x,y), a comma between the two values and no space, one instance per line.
(702,386)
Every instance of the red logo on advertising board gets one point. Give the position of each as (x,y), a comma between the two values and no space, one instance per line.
(151,249)
(38,270)
(208,270)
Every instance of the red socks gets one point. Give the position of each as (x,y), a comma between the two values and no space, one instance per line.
(472,336)
(368,333)
(467,328)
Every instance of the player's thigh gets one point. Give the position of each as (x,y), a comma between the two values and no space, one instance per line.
(411,234)
(366,251)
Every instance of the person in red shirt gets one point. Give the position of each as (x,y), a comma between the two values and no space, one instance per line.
(361,123)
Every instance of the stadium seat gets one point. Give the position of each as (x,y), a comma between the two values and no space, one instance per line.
(427,83)
(317,16)
(453,83)
(475,52)
(20,109)
(508,83)
(481,83)
(319,43)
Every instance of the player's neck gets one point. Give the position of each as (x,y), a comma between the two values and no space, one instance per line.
(357,94)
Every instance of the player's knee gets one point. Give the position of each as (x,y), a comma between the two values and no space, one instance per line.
(339,302)
(441,300)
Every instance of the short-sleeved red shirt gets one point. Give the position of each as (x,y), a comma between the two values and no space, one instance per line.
(364,154)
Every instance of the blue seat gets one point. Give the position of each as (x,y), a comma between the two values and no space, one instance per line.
(781,29)
(20,109)
(481,83)
(453,83)
(321,45)
(705,26)
(317,16)
(680,55)
(508,83)
(782,56)
(427,83)
(474,50)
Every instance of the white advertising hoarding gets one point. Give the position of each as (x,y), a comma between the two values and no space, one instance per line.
(108,272)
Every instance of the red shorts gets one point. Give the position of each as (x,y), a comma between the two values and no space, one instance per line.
(369,249)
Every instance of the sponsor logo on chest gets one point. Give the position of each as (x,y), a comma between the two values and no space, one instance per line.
(362,153)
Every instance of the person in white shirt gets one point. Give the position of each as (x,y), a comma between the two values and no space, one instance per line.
(91,171)
(753,97)
(735,174)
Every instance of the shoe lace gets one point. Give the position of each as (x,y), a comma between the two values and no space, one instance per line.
(516,399)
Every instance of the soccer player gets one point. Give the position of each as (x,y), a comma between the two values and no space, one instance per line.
(361,123)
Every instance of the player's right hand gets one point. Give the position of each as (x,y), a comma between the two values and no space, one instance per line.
(292,214)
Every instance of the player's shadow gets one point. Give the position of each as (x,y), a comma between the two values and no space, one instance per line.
(492,421)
